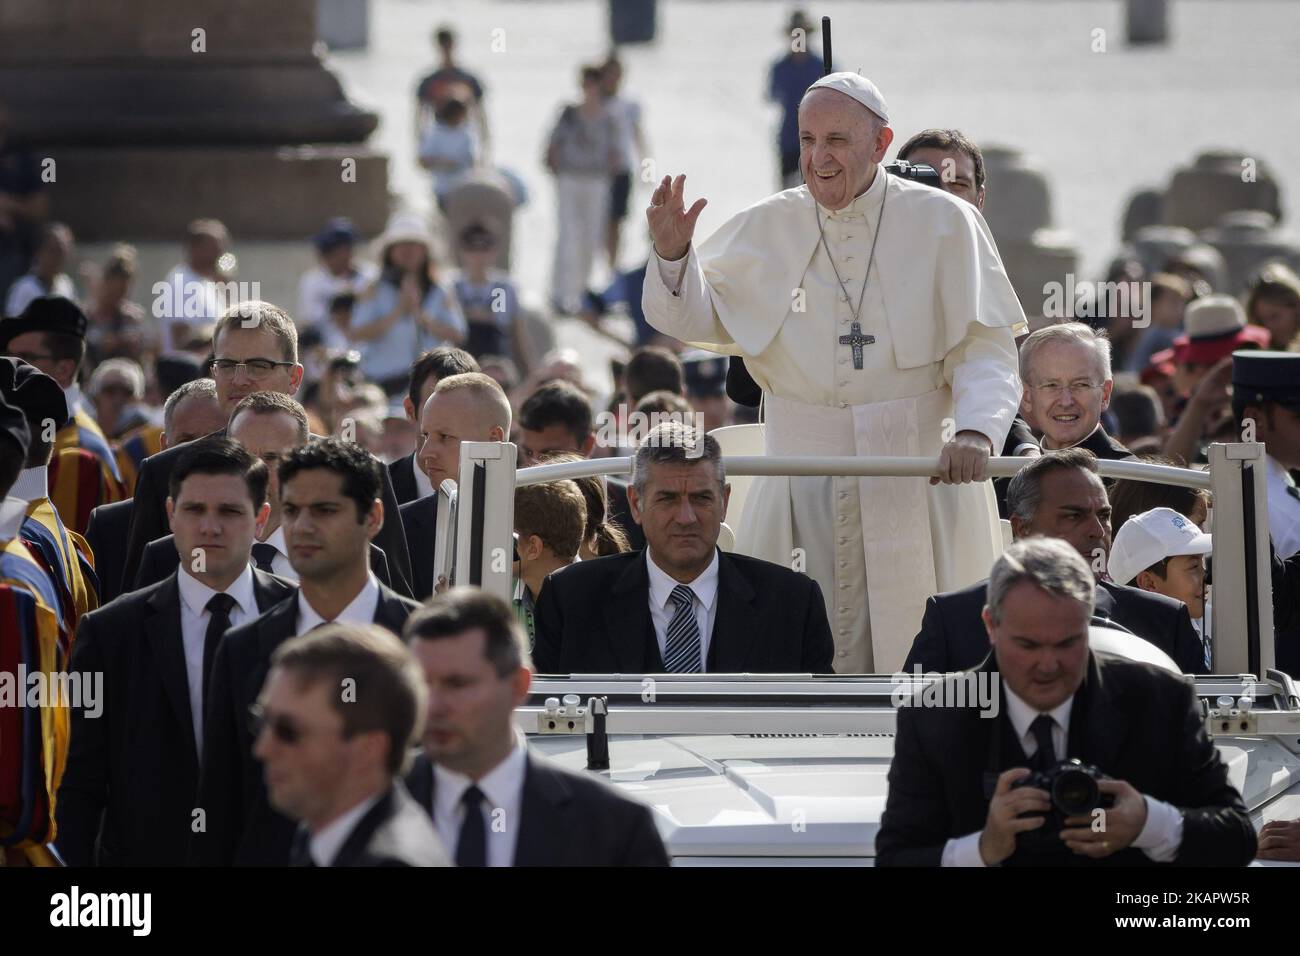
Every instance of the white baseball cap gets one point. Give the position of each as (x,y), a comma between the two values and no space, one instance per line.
(1151,537)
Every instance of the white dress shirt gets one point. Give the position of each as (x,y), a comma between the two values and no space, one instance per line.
(360,611)
(12,512)
(503,800)
(423,486)
(1283,510)
(662,607)
(280,563)
(32,484)
(325,846)
(195,596)
(1161,835)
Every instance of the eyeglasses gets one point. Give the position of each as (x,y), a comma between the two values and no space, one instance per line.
(1057,389)
(282,728)
(255,368)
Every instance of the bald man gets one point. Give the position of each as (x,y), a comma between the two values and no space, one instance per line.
(466,407)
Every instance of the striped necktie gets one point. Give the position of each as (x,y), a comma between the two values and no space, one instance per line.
(682,642)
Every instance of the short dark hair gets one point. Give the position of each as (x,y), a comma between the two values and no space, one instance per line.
(219,455)
(464,608)
(651,369)
(274,403)
(439,363)
(555,511)
(256,314)
(389,693)
(607,536)
(1129,497)
(356,466)
(557,403)
(1025,489)
(947,139)
(1137,409)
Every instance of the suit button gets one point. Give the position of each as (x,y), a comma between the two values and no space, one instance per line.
(844,584)
(844,564)
(842,653)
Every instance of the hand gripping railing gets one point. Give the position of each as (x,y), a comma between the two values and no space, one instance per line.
(1242,607)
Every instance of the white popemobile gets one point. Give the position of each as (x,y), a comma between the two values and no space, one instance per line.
(774,770)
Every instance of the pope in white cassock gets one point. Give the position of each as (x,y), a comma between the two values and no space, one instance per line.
(876,316)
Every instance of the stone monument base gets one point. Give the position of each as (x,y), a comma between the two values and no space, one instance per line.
(259,192)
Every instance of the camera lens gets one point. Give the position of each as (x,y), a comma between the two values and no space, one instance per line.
(1075,792)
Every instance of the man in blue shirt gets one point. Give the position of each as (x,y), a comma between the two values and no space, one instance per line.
(788,81)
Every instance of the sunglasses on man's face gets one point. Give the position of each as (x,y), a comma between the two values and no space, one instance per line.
(282,728)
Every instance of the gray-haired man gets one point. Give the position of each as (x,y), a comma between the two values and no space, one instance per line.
(953,799)
(681,605)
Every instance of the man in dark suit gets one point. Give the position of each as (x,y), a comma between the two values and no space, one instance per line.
(493,802)
(133,770)
(1045,697)
(1067,376)
(334,761)
(466,407)
(330,509)
(256,349)
(1058,495)
(681,605)
(106,535)
(408,478)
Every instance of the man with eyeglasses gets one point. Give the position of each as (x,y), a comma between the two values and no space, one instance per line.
(270,426)
(333,761)
(133,768)
(255,349)
(330,510)
(1067,384)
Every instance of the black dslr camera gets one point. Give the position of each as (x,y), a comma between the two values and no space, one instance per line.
(918,172)
(1072,787)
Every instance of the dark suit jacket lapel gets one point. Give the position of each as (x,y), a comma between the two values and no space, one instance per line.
(163,627)
(391,612)
(265,593)
(736,627)
(419,782)
(357,840)
(628,623)
(1097,728)
(1104,602)
(546,797)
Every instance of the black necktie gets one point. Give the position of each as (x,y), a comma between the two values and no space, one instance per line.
(219,607)
(1045,757)
(471,849)
(300,852)
(263,555)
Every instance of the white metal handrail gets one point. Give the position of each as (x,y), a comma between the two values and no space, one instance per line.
(1242,607)
(872,467)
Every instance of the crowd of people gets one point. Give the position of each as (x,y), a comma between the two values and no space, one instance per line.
(225,510)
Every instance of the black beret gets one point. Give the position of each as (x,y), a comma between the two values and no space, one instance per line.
(13,428)
(38,396)
(47,313)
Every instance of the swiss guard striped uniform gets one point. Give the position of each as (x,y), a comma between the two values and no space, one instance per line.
(83,472)
(64,554)
(33,739)
(131,451)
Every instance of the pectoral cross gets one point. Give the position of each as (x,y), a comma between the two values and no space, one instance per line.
(856,339)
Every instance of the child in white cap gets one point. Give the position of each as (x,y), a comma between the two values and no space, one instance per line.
(1163,551)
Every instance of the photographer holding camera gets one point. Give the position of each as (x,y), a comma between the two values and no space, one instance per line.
(972,788)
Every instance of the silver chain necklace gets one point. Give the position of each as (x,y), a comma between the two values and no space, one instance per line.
(871,257)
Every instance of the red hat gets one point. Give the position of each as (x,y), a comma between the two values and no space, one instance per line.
(1216,327)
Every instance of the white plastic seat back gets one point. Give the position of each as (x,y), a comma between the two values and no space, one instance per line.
(738,440)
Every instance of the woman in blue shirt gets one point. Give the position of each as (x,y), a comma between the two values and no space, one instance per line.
(405,311)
